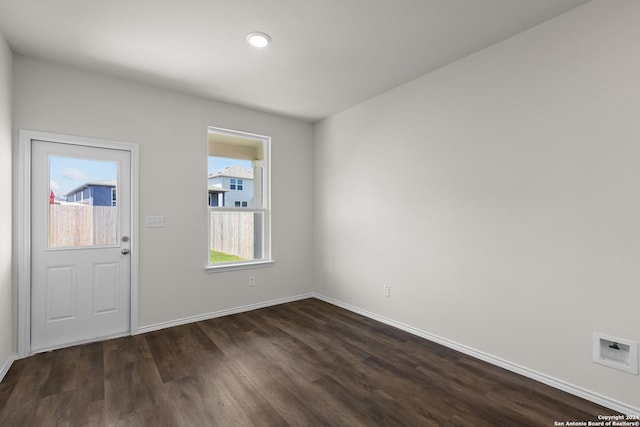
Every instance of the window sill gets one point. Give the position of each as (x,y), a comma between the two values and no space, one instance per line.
(239,266)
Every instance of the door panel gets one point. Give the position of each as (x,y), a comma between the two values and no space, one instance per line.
(61,293)
(80,275)
(106,286)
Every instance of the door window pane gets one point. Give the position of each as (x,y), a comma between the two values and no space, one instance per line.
(82,202)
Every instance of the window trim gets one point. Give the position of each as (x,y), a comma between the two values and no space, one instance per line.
(265,209)
(217,268)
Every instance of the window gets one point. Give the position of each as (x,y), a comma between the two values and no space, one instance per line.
(74,226)
(235,184)
(239,225)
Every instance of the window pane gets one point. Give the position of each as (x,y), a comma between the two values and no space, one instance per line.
(224,180)
(235,236)
(237,182)
(82,208)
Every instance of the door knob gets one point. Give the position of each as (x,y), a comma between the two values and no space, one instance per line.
(125,251)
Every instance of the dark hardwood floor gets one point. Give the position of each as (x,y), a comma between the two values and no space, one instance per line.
(306,363)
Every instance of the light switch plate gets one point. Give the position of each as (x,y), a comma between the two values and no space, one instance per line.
(155,221)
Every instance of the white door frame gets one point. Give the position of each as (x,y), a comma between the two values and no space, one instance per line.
(24,226)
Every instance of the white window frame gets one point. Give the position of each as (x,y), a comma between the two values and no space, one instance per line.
(265,195)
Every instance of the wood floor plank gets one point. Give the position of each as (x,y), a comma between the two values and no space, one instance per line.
(7,386)
(306,363)
(168,364)
(20,407)
(276,389)
(416,406)
(361,403)
(131,348)
(227,336)
(157,416)
(125,401)
(233,399)
(122,373)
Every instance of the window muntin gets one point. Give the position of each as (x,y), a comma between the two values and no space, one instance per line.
(239,224)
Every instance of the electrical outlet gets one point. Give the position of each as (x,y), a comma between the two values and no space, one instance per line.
(252,281)
(387,290)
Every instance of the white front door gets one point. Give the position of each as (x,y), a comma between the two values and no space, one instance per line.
(80,242)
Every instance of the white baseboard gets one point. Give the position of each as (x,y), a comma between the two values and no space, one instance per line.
(226,312)
(7,365)
(529,373)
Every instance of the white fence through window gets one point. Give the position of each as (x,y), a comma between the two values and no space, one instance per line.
(232,233)
(82,225)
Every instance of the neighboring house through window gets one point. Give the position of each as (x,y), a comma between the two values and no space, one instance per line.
(231,184)
(99,193)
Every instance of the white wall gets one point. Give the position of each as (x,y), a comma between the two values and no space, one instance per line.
(171,130)
(523,238)
(6,298)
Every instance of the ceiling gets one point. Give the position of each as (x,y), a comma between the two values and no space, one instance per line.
(325,55)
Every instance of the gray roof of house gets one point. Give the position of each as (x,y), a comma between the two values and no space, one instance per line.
(105,183)
(235,171)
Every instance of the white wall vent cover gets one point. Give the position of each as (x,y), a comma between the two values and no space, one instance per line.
(615,352)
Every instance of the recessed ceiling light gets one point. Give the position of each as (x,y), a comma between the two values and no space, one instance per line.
(258,39)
